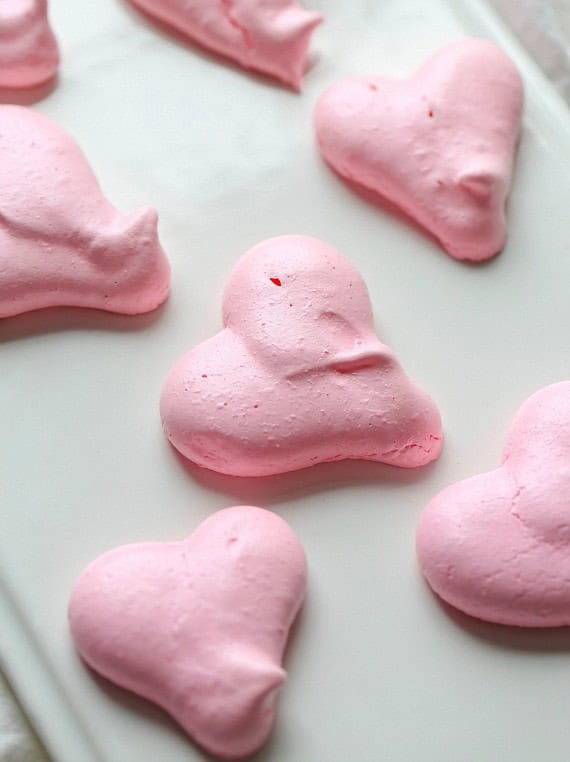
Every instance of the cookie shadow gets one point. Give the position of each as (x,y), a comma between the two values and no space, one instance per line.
(323,477)
(29,95)
(385,206)
(56,319)
(509,637)
(171,34)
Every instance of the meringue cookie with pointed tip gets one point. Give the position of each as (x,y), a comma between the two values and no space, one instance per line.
(267,36)
(297,376)
(61,241)
(439,145)
(497,545)
(200,626)
(29,55)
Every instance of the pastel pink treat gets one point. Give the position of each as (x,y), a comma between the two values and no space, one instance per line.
(267,36)
(199,626)
(439,145)
(297,376)
(29,54)
(61,241)
(497,546)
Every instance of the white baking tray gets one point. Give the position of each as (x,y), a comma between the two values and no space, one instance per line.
(378,670)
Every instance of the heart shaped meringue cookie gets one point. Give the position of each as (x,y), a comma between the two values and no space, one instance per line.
(29,54)
(268,36)
(200,626)
(439,145)
(497,546)
(61,241)
(297,376)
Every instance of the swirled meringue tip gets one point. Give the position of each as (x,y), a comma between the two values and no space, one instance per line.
(269,37)
(61,242)
(297,376)
(440,145)
(200,626)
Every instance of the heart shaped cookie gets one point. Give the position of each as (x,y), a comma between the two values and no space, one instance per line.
(61,241)
(439,145)
(199,626)
(29,54)
(268,36)
(297,376)
(497,546)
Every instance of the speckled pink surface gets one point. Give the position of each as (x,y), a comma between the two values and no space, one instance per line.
(297,376)
(268,36)
(61,242)
(199,626)
(29,54)
(440,145)
(497,546)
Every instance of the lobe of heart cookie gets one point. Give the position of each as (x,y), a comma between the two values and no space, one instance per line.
(269,37)
(29,54)
(297,376)
(61,241)
(200,626)
(439,145)
(497,546)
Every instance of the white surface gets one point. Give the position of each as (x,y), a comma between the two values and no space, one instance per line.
(378,670)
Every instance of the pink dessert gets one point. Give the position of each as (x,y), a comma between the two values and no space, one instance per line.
(297,376)
(439,145)
(199,626)
(61,241)
(29,54)
(268,36)
(497,546)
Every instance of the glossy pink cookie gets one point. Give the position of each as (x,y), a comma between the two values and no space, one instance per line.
(497,546)
(268,36)
(298,375)
(61,241)
(439,145)
(29,54)
(200,626)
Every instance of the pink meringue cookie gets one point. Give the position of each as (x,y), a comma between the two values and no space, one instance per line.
(297,376)
(61,241)
(268,36)
(497,546)
(199,626)
(29,54)
(439,145)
